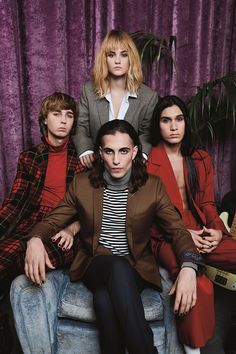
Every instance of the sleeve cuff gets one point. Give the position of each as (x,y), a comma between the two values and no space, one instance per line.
(145,156)
(188,256)
(190,265)
(87,152)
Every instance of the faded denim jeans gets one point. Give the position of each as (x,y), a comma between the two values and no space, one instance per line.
(35,312)
(173,346)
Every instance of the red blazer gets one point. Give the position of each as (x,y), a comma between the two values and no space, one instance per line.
(204,202)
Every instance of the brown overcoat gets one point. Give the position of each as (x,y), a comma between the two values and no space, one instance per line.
(143,206)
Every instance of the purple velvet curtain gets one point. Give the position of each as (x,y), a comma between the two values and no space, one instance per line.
(51,45)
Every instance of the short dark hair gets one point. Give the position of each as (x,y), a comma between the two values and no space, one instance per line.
(187,146)
(139,175)
(57,101)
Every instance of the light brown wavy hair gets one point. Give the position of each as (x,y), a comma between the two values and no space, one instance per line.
(113,40)
(56,102)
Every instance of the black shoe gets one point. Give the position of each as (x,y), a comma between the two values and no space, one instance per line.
(6,337)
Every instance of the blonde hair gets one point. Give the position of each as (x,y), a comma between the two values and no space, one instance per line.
(113,40)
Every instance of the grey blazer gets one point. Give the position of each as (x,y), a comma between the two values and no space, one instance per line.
(94,112)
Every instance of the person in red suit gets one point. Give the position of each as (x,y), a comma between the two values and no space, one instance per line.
(187,173)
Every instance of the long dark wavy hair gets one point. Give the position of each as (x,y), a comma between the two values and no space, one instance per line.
(187,145)
(139,174)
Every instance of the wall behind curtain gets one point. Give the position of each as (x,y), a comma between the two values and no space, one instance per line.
(51,45)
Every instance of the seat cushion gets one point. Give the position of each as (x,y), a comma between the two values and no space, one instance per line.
(77,303)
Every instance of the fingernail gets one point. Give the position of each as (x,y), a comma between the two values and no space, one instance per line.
(64,248)
(175,311)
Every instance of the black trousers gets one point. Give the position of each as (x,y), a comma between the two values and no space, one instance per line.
(119,310)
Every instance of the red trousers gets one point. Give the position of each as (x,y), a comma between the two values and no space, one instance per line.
(224,255)
(197,327)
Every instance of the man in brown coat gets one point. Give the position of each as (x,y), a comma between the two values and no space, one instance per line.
(117,202)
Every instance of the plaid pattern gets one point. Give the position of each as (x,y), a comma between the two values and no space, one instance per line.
(21,210)
(12,255)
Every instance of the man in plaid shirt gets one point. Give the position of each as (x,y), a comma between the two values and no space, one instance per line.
(43,175)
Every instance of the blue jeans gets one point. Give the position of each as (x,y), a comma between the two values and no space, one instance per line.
(35,311)
(173,345)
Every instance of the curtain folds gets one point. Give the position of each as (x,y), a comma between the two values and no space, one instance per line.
(51,45)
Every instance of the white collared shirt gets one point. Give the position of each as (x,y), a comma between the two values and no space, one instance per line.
(123,107)
(122,112)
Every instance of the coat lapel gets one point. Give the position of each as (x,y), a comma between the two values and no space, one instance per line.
(71,163)
(103,110)
(131,210)
(131,112)
(97,210)
(163,168)
(40,163)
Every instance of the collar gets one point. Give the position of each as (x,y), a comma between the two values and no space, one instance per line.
(126,96)
(158,155)
(53,148)
(117,183)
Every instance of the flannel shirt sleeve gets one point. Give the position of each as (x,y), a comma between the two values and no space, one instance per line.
(14,202)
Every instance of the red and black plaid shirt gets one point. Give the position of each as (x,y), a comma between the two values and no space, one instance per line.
(21,209)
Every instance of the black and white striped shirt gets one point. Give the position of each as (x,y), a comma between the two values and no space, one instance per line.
(113,233)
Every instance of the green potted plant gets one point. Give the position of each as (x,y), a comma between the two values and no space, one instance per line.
(214,101)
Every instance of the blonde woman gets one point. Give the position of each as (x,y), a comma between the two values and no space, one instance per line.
(115,91)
